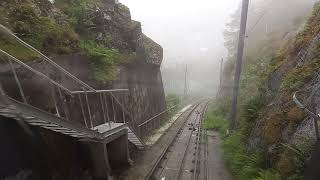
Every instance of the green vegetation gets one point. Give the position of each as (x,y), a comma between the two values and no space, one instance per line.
(71,29)
(85,19)
(105,60)
(215,119)
(173,101)
(267,114)
(43,33)
(299,76)
(311,28)
(244,165)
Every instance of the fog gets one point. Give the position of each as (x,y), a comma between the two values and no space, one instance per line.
(191,33)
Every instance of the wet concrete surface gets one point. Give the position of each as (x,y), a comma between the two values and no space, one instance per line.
(215,164)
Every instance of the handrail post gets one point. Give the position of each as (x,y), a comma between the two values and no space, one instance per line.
(139,131)
(88,106)
(123,116)
(54,100)
(113,109)
(18,82)
(63,104)
(2,92)
(107,111)
(102,106)
(82,110)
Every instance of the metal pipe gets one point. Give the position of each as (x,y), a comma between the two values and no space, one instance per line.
(35,71)
(107,111)
(18,82)
(102,106)
(7,31)
(124,109)
(54,100)
(114,113)
(1,90)
(123,116)
(99,91)
(89,111)
(82,110)
(63,104)
(157,115)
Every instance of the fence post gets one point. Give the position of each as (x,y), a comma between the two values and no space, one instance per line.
(2,90)
(102,106)
(114,113)
(18,82)
(82,110)
(123,116)
(63,104)
(88,106)
(107,111)
(54,100)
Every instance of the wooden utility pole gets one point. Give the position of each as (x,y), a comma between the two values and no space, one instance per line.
(242,35)
(221,71)
(185,81)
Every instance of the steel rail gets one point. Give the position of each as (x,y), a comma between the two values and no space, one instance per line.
(164,152)
(195,171)
(8,32)
(185,152)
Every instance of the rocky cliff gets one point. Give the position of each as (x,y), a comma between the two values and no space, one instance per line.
(283,130)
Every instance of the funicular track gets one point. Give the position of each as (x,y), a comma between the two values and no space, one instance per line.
(181,157)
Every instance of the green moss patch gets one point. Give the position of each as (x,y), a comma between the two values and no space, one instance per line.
(44,33)
(297,77)
(106,60)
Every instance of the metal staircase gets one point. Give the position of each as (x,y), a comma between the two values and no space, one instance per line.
(60,121)
(36,117)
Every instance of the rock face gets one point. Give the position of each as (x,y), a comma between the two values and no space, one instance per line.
(145,98)
(154,52)
(282,125)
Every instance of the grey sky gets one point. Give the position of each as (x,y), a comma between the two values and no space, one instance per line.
(188,30)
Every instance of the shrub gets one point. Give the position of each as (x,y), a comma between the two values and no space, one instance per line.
(172,100)
(44,33)
(105,60)
(215,121)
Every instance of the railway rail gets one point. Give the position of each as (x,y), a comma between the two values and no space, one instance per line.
(181,158)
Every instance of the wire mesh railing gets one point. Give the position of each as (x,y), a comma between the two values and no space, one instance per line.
(306,100)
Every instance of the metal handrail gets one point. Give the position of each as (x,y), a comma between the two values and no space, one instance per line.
(35,71)
(88,88)
(60,86)
(8,32)
(150,119)
(54,82)
(99,91)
